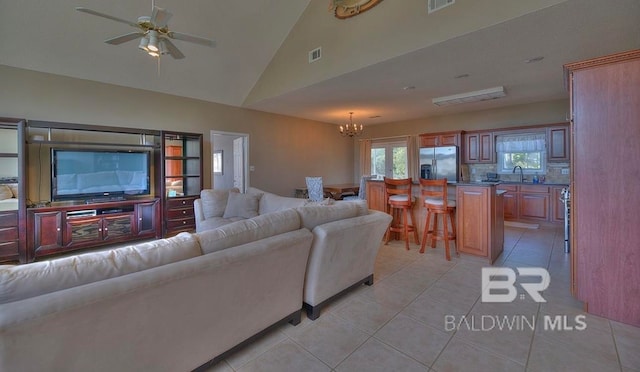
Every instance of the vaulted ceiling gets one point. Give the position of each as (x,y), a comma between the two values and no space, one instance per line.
(387,62)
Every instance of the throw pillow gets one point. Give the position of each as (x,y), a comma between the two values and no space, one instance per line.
(5,192)
(242,205)
(326,201)
(214,202)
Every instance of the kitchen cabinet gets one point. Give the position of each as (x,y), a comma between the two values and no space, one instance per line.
(479,147)
(181,180)
(605,112)
(557,206)
(440,139)
(375,196)
(480,221)
(532,202)
(558,143)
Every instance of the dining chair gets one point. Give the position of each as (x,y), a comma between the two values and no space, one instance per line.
(362,191)
(315,189)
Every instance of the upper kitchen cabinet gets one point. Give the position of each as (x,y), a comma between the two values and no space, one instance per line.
(440,139)
(605,184)
(12,191)
(479,147)
(558,143)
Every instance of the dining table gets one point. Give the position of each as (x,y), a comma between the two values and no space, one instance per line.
(338,191)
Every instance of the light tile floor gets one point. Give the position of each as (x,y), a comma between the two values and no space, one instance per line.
(398,323)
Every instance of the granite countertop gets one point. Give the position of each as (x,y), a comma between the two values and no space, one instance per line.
(485,183)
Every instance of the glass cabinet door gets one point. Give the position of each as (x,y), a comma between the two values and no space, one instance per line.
(183,164)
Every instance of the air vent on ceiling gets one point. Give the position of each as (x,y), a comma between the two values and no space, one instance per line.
(315,54)
(435,5)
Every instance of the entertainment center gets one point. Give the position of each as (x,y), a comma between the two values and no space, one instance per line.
(91,186)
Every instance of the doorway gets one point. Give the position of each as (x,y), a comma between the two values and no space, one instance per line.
(229,152)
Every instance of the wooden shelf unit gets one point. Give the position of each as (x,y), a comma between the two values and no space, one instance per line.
(181,180)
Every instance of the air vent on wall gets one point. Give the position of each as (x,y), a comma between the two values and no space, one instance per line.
(315,54)
(435,5)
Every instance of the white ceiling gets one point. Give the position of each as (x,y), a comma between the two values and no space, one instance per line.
(50,36)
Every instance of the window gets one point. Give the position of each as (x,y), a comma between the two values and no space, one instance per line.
(389,159)
(527,150)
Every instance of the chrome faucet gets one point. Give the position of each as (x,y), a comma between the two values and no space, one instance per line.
(514,170)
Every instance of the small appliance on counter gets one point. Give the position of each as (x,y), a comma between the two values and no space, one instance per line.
(491,177)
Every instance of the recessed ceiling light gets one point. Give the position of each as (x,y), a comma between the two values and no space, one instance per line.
(409,87)
(461,76)
(535,59)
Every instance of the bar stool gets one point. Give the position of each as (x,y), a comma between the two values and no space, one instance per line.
(436,203)
(397,193)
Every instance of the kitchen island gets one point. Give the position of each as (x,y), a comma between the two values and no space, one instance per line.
(479,215)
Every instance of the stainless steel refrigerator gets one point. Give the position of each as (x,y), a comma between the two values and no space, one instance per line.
(439,162)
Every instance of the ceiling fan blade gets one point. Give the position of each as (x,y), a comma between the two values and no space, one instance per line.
(192,39)
(160,17)
(93,12)
(172,49)
(124,38)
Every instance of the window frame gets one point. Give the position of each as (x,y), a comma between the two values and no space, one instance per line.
(389,145)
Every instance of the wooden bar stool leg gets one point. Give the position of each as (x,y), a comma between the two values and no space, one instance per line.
(406,227)
(434,232)
(415,227)
(453,230)
(445,234)
(425,234)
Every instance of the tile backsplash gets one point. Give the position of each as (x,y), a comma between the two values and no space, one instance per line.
(553,174)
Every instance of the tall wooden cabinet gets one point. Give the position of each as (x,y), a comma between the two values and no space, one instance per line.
(605,184)
(181,180)
(12,184)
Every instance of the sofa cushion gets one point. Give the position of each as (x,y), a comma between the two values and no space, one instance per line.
(242,205)
(245,231)
(214,202)
(363,207)
(271,202)
(314,215)
(5,192)
(30,280)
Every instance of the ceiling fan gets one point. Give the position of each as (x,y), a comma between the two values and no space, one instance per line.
(153,32)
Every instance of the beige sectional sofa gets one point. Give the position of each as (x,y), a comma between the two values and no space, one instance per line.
(346,236)
(184,302)
(167,305)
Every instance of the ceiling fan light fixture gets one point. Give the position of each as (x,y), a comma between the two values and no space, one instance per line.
(162,48)
(153,41)
(143,44)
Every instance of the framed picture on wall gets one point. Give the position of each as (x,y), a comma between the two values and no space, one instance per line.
(217,163)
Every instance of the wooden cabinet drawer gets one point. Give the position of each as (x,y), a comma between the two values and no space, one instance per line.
(534,189)
(512,188)
(180,203)
(8,233)
(177,224)
(179,213)
(8,219)
(8,249)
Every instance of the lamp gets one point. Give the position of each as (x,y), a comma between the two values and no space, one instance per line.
(351,129)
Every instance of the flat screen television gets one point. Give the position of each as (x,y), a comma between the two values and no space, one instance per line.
(90,174)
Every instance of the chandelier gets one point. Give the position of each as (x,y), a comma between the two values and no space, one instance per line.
(351,129)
